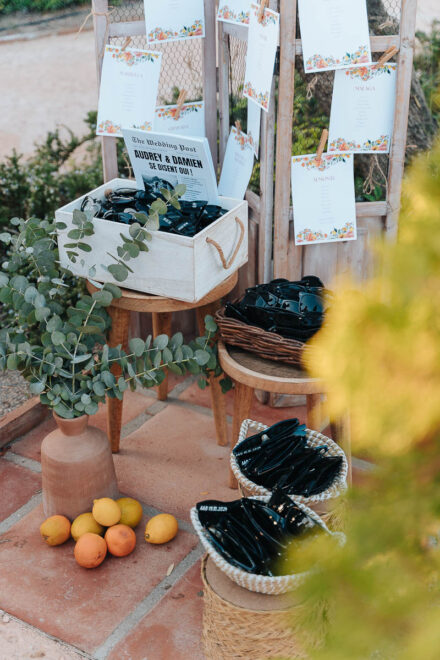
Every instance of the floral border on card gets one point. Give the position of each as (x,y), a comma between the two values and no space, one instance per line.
(344,233)
(318,61)
(130,57)
(382,143)
(326,161)
(169,112)
(106,126)
(226,14)
(244,141)
(262,98)
(268,18)
(365,73)
(190,32)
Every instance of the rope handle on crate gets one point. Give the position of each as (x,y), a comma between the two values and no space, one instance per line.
(228,264)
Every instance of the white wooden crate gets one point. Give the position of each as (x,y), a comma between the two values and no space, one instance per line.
(177,267)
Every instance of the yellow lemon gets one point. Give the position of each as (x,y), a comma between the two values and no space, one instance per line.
(131,511)
(55,530)
(106,511)
(84,524)
(161,528)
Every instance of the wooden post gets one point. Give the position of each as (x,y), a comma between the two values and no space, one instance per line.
(223,87)
(210,78)
(267,156)
(403,91)
(284,143)
(100,23)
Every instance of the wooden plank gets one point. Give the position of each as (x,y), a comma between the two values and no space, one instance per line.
(21,420)
(284,142)
(210,78)
(254,202)
(223,88)
(403,90)
(267,157)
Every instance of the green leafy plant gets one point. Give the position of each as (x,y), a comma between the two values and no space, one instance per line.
(62,351)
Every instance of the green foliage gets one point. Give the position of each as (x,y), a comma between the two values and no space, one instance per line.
(379,358)
(427,65)
(11,6)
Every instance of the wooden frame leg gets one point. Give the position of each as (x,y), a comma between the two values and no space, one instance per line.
(118,335)
(218,402)
(243,398)
(162,326)
(341,435)
(314,412)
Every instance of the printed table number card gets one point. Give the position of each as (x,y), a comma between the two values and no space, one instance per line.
(158,157)
(191,121)
(260,58)
(128,91)
(171,20)
(362,114)
(253,125)
(234,11)
(237,165)
(334,34)
(324,209)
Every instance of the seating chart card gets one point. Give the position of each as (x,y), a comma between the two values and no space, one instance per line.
(234,11)
(362,114)
(128,91)
(323,198)
(237,165)
(334,34)
(260,58)
(171,20)
(253,125)
(191,120)
(160,157)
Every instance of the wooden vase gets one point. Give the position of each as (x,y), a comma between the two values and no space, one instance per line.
(77,467)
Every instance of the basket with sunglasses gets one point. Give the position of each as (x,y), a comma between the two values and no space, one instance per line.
(306,465)
(275,320)
(251,539)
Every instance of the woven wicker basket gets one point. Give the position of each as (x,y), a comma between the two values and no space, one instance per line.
(267,345)
(241,632)
(314,439)
(262,584)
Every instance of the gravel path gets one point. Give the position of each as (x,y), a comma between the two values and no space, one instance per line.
(14,391)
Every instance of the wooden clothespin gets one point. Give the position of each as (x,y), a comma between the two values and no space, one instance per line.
(126,43)
(322,142)
(238,126)
(387,55)
(263,5)
(180,102)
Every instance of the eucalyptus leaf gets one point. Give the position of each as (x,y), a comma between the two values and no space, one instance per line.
(136,346)
(201,357)
(161,342)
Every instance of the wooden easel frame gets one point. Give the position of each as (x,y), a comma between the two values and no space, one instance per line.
(327,260)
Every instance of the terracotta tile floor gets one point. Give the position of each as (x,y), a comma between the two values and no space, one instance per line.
(126,609)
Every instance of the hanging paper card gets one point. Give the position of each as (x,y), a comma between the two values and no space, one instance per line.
(171,20)
(127,96)
(334,34)
(191,120)
(234,11)
(324,208)
(253,125)
(362,114)
(237,165)
(160,157)
(260,58)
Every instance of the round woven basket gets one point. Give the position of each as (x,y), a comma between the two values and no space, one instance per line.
(314,439)
(267,345)
(238,625)
(262,584)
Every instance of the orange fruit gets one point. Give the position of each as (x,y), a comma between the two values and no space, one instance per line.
(121,540)
(55,530)
(90,550)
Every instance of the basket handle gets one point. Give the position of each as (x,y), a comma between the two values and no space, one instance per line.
(228,264)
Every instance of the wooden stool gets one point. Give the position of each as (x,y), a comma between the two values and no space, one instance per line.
(162,310)
(242,624)
(250,372)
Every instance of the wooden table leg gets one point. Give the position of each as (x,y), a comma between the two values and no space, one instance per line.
(218,403)
(314,412)
(242,407)
(118,335)
(162,326)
